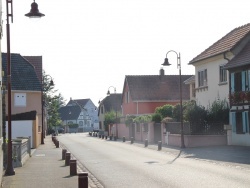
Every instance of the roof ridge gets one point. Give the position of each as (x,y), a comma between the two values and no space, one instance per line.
(220,41)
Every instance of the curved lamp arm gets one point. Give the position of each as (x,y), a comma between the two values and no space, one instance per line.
(108,93)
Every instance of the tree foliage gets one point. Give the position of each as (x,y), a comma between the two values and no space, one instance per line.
(142,119)
(51,101)
(165,111)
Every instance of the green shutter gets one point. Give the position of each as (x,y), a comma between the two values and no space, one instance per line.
(244,121)
(243,80)
(233,121)
(232,82)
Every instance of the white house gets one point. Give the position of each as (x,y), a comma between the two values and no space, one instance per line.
(213,81)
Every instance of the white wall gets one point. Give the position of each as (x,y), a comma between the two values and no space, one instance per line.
(240,139)
(214,91)
(21,129)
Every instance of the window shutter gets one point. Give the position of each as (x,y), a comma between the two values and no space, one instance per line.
(232,82)
(233,121)
(243,80)
(244,121)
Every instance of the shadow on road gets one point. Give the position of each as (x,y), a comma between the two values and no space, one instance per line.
(233,154)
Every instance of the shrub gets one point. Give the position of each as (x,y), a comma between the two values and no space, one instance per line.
(165,111)
(156,117)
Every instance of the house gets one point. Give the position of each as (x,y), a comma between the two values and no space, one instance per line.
(222,72)
(109,103)
(143,94)
(82,112)
(25,91)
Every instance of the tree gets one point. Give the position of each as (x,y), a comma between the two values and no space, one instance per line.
(165,111)
(110,118)
(51,101)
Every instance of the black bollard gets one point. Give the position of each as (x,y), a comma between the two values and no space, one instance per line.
(132,140)
(124,139)
(73,167)
(83,180)
(67,158)
(159,145)
(146,142)
(63,153)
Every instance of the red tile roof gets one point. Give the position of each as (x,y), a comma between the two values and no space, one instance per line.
(152,88)
(226,43)
(37,62)
(241,59)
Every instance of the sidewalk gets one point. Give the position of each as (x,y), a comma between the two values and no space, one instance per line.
(45,169)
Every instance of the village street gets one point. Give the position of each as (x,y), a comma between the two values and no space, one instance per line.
(118,164)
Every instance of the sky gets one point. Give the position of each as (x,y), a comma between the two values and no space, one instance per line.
(89,45)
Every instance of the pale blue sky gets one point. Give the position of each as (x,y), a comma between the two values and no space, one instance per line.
(89,45)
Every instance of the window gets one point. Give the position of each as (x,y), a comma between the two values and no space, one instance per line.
(138,127)
(240,122)
(102,110)
(202,78)
(223,74)
(81,123)
(240,81)
(20,99)
(127,97)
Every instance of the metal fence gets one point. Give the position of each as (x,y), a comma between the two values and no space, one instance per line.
(207,128)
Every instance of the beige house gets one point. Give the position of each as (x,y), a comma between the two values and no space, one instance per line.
(26,93)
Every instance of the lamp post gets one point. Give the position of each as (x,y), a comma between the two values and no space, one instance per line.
(34,13)
(108,93)
(44,89)
(166,63)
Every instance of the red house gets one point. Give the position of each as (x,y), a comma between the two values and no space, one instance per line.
(142,94)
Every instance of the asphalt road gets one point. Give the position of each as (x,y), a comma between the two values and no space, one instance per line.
(117,164)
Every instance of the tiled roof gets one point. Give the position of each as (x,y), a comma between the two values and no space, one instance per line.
(69,112)
(112,102)
(81,102)
(37,62)
(156,88)
(241,59)
(23,75)
(226,43)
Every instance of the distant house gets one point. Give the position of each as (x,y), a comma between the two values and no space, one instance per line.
(143,94)
(109,103)
(25,92)
(222,72)
(82,112)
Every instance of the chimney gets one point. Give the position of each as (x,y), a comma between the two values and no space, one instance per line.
(162,73)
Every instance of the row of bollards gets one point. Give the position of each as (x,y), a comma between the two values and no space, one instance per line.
(72,163)
(55,141)
(124,140)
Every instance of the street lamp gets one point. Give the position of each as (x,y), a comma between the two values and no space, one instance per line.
(108,93)
(166,63)
(34,13)
(43,89)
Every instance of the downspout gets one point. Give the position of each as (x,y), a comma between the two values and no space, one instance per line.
(224,56)
(137,107)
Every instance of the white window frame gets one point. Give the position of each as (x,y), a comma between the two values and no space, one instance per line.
(222,74)
(202,78)
(20,99)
